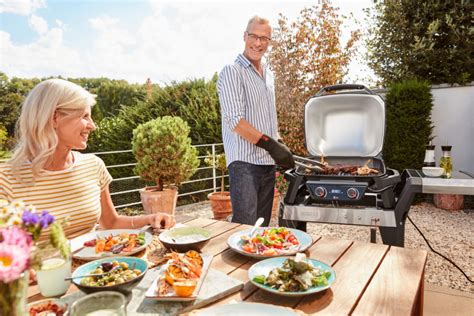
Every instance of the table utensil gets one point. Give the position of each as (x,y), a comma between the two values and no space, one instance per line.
(101,303)
(93,275)
(88,253)
(433,172)
(51,306)
(245,309)
(182,239)
(153,292)
(124,287)
(265,266)
(258,223)
(55,268)
(235,243)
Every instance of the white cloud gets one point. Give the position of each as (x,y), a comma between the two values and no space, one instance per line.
(22,7)
(38,24)
(47,56)
(174,41)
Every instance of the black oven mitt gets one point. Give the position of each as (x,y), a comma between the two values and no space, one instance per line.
(278,151)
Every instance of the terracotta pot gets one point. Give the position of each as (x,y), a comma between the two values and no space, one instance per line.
(452,202)
(155,201)
(220,203)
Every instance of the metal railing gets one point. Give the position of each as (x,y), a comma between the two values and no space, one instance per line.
(214,177)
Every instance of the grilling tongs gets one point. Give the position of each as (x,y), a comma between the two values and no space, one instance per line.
(316,165)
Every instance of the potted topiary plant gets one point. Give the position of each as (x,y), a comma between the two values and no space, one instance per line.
(220,201)
(164,154)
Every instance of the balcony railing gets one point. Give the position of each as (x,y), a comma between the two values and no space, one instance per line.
(215,177)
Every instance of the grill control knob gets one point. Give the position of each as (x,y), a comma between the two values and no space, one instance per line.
(320,192)
(352,193)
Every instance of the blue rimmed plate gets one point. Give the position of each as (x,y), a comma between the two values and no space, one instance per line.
(235,243)
(265,266)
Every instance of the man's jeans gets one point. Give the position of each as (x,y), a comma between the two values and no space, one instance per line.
(251,192)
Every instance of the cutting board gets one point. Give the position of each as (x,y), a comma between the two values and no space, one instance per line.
(216,286)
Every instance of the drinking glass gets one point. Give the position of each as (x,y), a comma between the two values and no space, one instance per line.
(53,269)
(105,303)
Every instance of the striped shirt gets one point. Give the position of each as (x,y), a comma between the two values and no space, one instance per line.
(244,94)
(73,192)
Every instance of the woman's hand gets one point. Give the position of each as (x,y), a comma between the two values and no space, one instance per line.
(162,220)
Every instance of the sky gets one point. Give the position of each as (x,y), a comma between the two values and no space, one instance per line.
(138,39)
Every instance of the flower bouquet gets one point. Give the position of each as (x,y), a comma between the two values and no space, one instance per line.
(20,230)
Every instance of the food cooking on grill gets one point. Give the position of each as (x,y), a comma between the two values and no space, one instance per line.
(123,242)
(270,242)
(346,169)
(181,274)
(120,272)
(295,275)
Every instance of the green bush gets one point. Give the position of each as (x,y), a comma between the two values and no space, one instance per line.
(163,151)
(408,106)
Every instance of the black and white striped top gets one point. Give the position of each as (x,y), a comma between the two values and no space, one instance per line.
(244,94)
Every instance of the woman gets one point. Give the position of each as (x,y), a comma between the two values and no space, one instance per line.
(46,172)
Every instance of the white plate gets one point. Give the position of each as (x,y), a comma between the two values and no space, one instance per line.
(88,253)
(171,295)
(235,243)
(246,309)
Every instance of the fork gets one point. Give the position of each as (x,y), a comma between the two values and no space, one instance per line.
(93,275)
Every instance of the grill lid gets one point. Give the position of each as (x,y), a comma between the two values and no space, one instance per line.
(345,124)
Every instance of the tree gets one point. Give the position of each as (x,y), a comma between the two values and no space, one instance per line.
(429,40)
(306,55)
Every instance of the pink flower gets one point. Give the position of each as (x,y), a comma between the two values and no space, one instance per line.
(16,236)
(14,261)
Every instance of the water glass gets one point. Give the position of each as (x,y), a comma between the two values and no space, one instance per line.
(54,268)
(104,303)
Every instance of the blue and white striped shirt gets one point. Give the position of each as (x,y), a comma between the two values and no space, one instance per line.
(244,94)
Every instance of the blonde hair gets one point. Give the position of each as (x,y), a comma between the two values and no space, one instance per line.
(258,20)
(35,133)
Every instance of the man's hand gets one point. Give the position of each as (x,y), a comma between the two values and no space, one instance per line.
(278,151)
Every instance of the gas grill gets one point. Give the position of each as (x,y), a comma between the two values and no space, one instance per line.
(344,132)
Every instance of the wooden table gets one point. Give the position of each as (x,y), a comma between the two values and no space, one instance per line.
(370,278)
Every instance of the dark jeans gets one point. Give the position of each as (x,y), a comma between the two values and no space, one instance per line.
(251,192)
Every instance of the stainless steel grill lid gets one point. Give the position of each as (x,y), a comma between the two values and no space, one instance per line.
(345,124)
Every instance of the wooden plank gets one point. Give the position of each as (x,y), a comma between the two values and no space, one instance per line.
(242,275)
(183,218)
(221,227)
(396,285)
(329,250)
(353,273)
(200,222)
(228,261)
(219,243)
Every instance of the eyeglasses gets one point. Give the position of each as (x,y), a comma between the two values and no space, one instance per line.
(255,37)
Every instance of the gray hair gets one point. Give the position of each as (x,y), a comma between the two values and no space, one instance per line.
(257,19)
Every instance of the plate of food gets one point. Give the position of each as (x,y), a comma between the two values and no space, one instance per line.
(181,277)
(292,276)
(48,307)
(120,274)
(270,242)
(108,243)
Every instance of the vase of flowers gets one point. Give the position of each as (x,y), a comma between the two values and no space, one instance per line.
(20,229)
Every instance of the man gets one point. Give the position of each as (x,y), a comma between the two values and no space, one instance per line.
(249,127)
